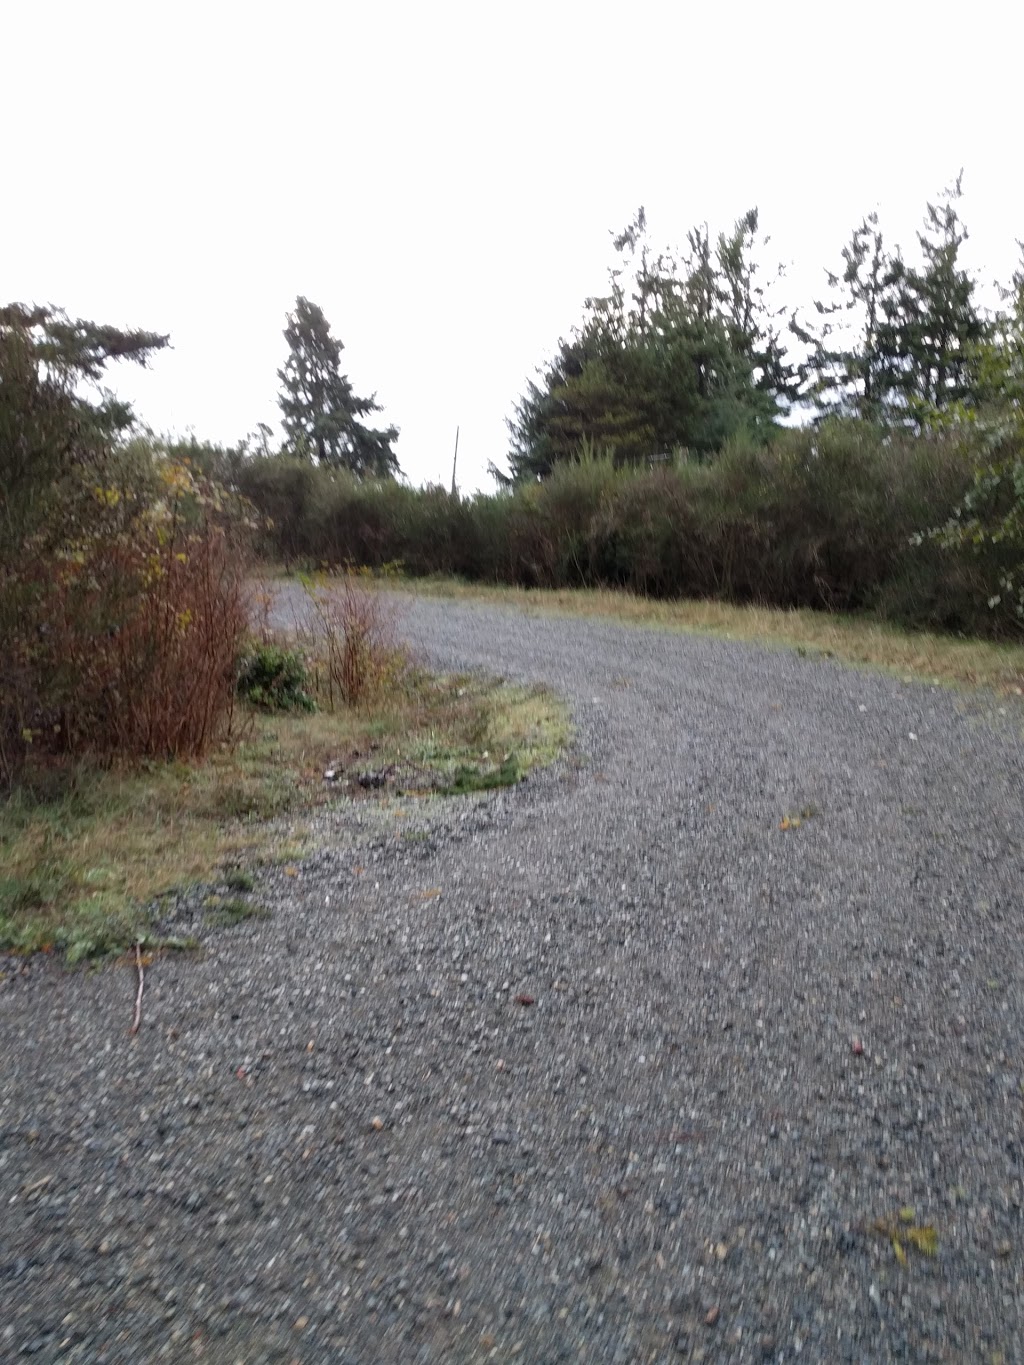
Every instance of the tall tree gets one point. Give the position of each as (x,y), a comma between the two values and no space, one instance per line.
(744,306)
(845,373)
(931,324)
(320,412)
(669,358)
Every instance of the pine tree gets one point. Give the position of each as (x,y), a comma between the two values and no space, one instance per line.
(668,359)
(752,325)
(931,324)
(845,374)
(320,412)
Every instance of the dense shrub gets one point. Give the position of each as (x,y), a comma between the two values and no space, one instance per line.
(275,679)
(835,518)
(122,637)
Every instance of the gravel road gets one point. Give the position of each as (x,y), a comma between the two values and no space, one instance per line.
(345,1134)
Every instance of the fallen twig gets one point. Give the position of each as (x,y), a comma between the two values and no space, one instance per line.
(138,999)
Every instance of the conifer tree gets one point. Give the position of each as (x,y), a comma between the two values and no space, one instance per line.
(320,412)
(845,374)
(931,324)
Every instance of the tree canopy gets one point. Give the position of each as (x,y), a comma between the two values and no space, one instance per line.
(53,432)
(320,411)
(896,343)
(674,356)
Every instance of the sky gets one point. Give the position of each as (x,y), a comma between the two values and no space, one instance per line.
(443,179)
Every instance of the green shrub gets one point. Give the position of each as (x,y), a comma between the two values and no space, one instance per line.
(835,518)
(275,679)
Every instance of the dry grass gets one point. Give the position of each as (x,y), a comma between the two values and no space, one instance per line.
(83,851)
(942,659)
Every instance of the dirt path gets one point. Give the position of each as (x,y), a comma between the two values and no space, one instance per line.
(610,1067)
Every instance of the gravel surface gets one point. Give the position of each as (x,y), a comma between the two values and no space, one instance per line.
(609,1067)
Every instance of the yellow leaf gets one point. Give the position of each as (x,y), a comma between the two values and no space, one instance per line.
(897,1247)
(907,1214)
(926,1240)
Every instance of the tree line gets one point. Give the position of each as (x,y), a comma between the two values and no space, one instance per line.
(686,351)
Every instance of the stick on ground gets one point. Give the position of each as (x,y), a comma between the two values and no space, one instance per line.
(138,999)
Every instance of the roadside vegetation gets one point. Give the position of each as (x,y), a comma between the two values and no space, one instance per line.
(153,735)
(87,851)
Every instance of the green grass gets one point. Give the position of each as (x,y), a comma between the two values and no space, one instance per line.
(84,852)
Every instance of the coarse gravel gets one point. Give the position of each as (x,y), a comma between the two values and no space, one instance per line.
(344,1133)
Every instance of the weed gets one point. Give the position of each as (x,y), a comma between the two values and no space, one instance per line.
(239,880)
(354,634)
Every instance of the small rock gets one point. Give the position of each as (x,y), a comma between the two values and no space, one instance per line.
(711,1316)
(376,1123)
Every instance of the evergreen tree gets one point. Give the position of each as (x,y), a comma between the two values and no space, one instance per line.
(845,374)
(320,412)
(931,324)
(667,360)
(754,333)
(55,438)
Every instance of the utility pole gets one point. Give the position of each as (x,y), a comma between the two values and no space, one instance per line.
(455,461)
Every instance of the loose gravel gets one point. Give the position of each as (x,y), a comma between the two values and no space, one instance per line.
(609,1067)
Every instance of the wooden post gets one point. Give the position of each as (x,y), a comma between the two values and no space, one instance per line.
(455,460)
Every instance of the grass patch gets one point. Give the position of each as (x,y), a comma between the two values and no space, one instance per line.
(468,779)
(860,640)
(84,851)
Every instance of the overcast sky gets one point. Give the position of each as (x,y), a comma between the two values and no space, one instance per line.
(441,178)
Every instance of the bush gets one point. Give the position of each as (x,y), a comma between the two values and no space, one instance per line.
(275,679)
(833,519)
(353,631)
(123,641)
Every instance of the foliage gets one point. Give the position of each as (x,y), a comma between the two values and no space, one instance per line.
(820,518)
(122,578)
(353,631)
(53,440)
(989,522)
(897,343)
(844,372)
(320,412)
(675,357)
(275,678)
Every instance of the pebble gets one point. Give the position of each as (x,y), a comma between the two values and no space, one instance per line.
(566,1219)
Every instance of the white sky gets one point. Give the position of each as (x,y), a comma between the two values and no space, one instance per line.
(442,177)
